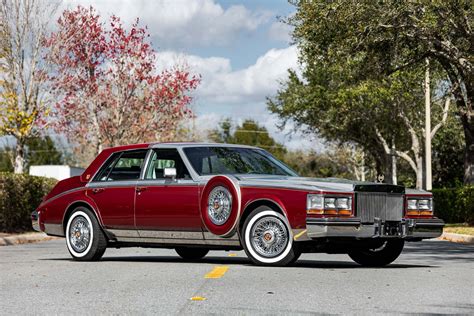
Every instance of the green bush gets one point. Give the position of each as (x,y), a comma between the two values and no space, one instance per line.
(455,205)
(20,194)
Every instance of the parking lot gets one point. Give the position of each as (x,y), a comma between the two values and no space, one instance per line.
(430,277)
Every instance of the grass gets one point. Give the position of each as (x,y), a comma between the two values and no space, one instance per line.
(459,229)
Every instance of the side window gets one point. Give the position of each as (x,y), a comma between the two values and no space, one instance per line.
(126,166)
(105,170)
(166,158)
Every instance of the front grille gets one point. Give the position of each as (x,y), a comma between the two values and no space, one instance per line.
(386,206)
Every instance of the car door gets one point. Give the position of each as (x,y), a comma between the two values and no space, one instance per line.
(167,204)
(113,189)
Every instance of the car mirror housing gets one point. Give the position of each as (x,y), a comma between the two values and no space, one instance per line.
(170,173)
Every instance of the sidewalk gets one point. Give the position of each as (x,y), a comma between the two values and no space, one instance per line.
(16,239)
(459,238)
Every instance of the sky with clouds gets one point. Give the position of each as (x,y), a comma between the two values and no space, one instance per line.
(240,49)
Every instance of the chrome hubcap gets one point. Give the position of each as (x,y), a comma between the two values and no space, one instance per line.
(219,205)
(269,237)
(79,234)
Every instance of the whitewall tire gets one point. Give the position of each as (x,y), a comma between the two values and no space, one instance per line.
(267,238)
(85,239)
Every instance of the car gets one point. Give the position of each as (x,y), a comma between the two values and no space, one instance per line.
(197,197)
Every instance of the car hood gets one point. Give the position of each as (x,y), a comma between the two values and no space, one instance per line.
(318,184)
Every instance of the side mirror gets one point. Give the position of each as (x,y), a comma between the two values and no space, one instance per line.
(169,173)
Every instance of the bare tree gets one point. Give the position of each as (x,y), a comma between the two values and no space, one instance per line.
(23,98)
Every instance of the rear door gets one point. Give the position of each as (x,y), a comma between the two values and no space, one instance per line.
(113,189)
(167,204)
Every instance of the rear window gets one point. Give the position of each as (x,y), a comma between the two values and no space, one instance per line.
(122,166)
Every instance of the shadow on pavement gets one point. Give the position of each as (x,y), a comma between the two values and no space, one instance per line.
(440,251)
(314,264)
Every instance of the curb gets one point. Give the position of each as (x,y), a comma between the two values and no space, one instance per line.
(24,239)
(459,238)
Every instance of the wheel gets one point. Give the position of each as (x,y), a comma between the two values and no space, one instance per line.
(84,237)
(192,253)
(267,239)
(379,255)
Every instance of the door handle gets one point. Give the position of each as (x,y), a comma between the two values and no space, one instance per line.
(140,189)
(97,190)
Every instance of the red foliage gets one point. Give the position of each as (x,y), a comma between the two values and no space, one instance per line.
(108,88)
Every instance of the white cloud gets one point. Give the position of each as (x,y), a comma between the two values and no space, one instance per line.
(280,31)
(182,22)
(220,84)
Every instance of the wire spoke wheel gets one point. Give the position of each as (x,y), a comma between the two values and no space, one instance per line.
(219,205)
(79,234)
(269,237)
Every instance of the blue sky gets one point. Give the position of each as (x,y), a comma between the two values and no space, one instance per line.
(240,49)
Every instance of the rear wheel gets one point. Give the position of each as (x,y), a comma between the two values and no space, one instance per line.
(267,238)
(378,255)
(192,253)
(84,238)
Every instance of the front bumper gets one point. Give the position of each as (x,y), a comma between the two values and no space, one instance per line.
(35,221)
(352,227)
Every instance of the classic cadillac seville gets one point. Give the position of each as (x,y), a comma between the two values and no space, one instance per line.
(196,197)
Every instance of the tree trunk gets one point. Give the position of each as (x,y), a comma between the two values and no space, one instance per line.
(468,124)
(394,163)
(19,156)
(419,172)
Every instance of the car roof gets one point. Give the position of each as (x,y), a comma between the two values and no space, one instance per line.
(196,144)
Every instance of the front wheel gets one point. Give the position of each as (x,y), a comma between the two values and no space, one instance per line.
(84,238)
(267,238)
(192,253)
(378,255)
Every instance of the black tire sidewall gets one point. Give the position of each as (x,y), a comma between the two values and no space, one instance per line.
(392,250)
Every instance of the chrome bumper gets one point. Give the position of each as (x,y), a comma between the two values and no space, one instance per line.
(35,221)
(352,227)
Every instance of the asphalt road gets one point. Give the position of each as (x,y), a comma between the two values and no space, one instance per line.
(432,277)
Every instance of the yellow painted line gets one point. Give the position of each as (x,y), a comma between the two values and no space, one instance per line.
(232,255)
(217,272)
(300,234)
(198,298)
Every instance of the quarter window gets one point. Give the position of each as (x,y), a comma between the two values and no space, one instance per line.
(123,166)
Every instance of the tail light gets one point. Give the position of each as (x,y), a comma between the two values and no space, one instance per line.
(329,205)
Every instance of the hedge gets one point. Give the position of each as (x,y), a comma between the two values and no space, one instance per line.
(20,194)
(455,205)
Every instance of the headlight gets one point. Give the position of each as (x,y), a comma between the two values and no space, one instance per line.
(319,204)
(419,206)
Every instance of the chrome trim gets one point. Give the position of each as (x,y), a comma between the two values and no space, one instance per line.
(146,163)
(170,234)
(63,193)
(112,184)
(167,182)
(124,233)
(54,229)
(337,227)
(211,236)
(180,241)
(35,220)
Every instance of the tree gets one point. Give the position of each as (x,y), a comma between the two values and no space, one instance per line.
(38,151)
(23,104)
(382,38)
(107,83)
(248,133)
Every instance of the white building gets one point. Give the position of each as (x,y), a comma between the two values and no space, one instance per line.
(59,172)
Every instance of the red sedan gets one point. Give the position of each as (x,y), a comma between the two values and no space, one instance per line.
(196,197)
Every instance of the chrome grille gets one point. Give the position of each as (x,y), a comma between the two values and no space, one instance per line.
(386,206)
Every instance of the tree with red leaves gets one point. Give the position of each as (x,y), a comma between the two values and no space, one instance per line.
(109,90)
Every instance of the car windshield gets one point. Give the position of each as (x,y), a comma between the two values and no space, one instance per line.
(235,160)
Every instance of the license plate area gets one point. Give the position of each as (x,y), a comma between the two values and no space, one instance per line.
(389,229)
